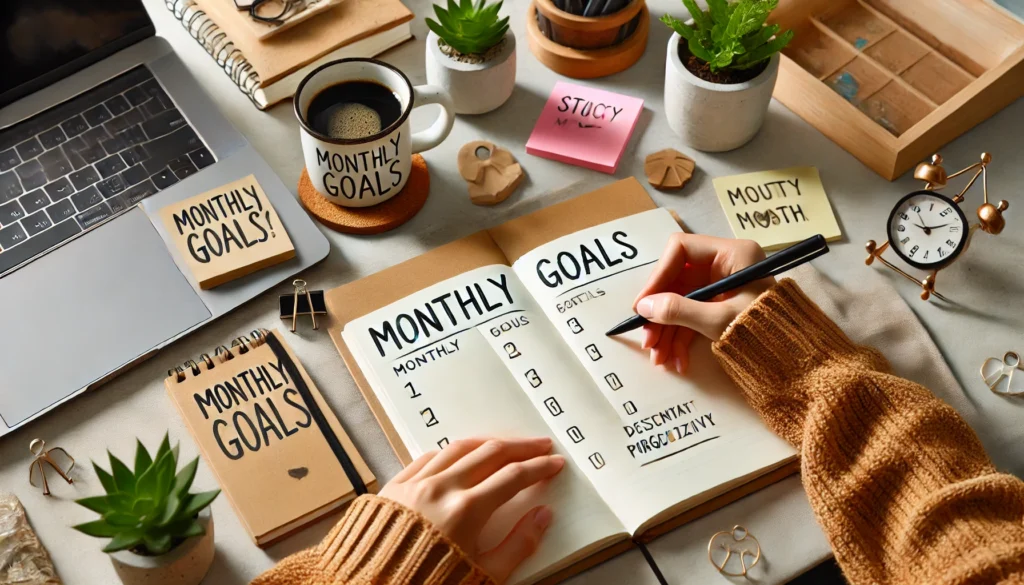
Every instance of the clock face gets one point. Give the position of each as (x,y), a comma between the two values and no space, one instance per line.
(927,229)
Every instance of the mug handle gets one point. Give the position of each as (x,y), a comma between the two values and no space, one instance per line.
(439,130)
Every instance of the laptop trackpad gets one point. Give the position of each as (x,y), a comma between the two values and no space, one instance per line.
(83,310)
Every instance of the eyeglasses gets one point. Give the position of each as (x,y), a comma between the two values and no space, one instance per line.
(270,11)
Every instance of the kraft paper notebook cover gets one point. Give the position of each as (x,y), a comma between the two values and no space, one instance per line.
(274,445)
(513,376)
(269,71)
(276,57)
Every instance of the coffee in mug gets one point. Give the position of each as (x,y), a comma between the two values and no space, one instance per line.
(354,109)
(355,130)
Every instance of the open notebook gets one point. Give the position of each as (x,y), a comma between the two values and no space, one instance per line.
(502,333)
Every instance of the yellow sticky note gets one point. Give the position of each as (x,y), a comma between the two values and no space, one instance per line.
(777,208)
(228,232)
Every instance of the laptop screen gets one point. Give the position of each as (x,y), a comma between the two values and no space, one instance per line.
(43,41)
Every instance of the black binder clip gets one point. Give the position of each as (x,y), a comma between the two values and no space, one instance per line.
(303,302)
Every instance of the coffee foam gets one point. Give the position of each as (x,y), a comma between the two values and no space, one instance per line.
(353,121)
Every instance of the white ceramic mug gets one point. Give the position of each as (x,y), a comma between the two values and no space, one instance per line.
(367,171)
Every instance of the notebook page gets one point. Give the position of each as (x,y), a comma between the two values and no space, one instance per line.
(453,361)
(677,437)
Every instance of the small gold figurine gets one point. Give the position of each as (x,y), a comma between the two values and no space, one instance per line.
(38,448)
(929,230)
(729,541)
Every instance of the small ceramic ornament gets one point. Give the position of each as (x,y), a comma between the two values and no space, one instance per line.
(668,169)
(491,172)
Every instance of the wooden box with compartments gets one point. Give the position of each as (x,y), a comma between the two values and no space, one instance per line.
(892,81)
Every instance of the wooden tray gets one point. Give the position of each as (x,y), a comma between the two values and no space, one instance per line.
(891,81)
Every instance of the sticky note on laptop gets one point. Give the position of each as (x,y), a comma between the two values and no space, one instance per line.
(585,126)
(227,232)
(777,208)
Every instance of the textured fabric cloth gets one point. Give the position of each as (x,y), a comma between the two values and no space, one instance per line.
(378,542)
(898,481)
(900,484)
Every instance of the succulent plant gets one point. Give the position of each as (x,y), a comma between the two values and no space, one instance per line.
(469,27)
(148,510)
(731,35)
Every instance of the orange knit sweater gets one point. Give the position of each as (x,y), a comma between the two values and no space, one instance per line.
(899,482)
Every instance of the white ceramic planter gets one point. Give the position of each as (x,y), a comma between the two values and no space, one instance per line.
(715,117)
(476,88)
(185,564)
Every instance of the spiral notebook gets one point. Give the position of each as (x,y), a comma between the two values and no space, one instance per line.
(268,71)
(277,450)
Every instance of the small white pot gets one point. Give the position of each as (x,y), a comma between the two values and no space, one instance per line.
(715,117)
(476,88)
(185,564)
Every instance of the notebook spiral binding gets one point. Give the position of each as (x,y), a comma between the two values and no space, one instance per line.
(216,43)
(240,345)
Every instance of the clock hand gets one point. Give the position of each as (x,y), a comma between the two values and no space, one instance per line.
(935,227)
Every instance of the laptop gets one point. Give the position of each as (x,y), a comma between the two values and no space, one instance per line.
(101,126)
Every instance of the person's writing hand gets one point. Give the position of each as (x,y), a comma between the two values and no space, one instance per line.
(460,487)
(690,262)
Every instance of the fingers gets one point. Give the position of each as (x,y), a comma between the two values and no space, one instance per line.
(681,349)
(652,332)
(493,455)
(662,351)
(682,248)
(449,455)
(520,543)
(513,478)
(708,319)
(415,466)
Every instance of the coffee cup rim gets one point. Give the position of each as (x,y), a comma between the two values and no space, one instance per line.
(345,141)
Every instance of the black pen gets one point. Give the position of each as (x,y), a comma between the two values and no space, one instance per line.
(773,265)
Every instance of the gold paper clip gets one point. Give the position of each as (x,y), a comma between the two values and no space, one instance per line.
(38,448)
(728,540)
(303,302)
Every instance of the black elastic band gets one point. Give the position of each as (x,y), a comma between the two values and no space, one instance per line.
(650,562)
(318,415)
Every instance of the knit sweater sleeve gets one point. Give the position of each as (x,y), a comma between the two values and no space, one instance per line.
(378,541)
(898,481)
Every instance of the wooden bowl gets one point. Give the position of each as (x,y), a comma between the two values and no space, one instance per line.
(586,63)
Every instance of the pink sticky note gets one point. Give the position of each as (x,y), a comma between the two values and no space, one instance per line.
(585,126)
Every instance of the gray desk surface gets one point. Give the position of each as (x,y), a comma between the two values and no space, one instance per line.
(987,284)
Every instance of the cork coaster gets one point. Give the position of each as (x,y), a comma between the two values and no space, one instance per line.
(370,220)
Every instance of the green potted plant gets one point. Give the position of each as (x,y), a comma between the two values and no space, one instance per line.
(160,533)
(720,72)
(471,53)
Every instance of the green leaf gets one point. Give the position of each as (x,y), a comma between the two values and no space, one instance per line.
(748,16)
(107,503)
(123,477)
(194,529)
(123,541)
(157,544)
(700,18)
(700,52)
(183,480)
(106,480)
(97,528)
(760,37)
(121,519)
(165,446)
(143,506)
(677,25)
(719,10)
(199,501)
(765,51)
(142,458)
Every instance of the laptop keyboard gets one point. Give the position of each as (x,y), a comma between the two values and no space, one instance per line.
(88,159)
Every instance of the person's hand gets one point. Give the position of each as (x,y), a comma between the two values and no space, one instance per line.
(690,262)
(460,487)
